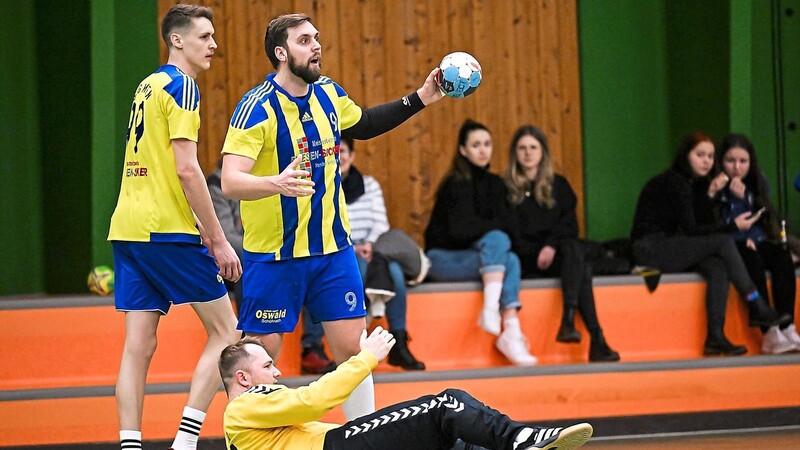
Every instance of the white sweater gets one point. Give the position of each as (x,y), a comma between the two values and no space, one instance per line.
(368,218)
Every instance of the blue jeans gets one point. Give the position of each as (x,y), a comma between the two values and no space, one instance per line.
(396,308)
(490,253)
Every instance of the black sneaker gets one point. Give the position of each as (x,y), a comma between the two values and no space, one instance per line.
(557,438)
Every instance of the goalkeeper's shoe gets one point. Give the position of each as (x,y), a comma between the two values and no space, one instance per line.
(555,438)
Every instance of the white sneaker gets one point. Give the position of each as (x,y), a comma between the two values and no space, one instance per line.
(489,320)
(424,267)
(515,347)
(791,335)
(775,342)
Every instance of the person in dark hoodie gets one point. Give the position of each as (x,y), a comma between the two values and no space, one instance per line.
(667,234)
(467,238)
(546,235)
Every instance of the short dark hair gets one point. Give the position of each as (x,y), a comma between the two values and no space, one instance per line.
(180,16)
(232,356)
(349,141)
(278,32)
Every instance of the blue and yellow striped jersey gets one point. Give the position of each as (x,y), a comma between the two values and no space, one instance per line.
(152,206)
(272,128)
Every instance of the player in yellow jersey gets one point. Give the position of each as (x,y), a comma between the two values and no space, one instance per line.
(297,249)
(163,206)
(263,414)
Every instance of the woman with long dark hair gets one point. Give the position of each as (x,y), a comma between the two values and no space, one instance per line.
(748,192)
(667,234)
(467,238)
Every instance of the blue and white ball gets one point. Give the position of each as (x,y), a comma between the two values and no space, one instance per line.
(460,74)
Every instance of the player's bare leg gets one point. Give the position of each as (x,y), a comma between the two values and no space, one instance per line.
(273,342)
(219,322)
(140,344)
(343,337)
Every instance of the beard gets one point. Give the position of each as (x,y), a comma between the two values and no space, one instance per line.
(306,73)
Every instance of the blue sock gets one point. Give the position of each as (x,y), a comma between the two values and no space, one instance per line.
(753,296)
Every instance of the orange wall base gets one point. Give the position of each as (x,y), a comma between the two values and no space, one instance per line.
(527,398)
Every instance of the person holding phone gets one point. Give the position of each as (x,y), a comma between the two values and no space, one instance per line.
(759,245)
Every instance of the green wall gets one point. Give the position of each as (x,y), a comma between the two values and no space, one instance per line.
(625,98)
(652,71)
(72,70)
(20,177)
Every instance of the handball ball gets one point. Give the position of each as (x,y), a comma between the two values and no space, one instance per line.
(101,280)
(460,74)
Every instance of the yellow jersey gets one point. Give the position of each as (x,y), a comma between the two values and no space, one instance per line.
(152,206)
(280,418)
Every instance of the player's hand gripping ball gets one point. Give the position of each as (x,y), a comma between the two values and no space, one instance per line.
(101,280)
(460,74)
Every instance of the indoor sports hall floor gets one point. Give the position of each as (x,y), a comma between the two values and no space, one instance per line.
(785,438)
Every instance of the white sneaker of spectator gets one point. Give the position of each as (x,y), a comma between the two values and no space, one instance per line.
(425,266)
(515,347)
(775,342)
(791,335)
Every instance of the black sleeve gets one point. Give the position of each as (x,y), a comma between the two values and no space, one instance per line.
(382,118)
(566,202)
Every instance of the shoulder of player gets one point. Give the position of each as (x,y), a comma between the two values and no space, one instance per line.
(181,87)
(250,110)
(328,84)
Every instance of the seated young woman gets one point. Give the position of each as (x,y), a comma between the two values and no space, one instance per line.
(666,234)
(467,239)
(546,235)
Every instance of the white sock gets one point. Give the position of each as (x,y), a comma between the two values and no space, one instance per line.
(491,295)
(511,326)
(361,401)
(130,439)
(189,430)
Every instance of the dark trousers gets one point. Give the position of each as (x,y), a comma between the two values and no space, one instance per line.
(575,273)
(451,419)
(716,258)
(771,256)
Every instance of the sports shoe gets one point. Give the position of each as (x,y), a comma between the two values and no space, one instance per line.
(556,438)
(315,362)
(515,347)
(425,266)
(791,334)
(489,320)
(775,342)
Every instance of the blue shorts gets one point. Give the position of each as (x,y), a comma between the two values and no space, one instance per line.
(150,276)
(274,292)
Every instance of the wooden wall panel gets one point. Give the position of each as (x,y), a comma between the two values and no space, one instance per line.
(379,51)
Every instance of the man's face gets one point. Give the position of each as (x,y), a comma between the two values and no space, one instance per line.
(260,368)
(304,52)
(198,44)
(346,157)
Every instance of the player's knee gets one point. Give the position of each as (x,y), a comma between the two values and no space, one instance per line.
(141,347)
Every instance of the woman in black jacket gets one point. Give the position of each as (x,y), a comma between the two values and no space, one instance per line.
(546,235)
(467,239)
(759,246)
(666,234)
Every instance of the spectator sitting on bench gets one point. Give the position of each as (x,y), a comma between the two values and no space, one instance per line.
(368,222)
(546,235)
(467,239)
(760,246)
(667,235)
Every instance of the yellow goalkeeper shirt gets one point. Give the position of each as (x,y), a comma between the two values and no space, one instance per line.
(281,418)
